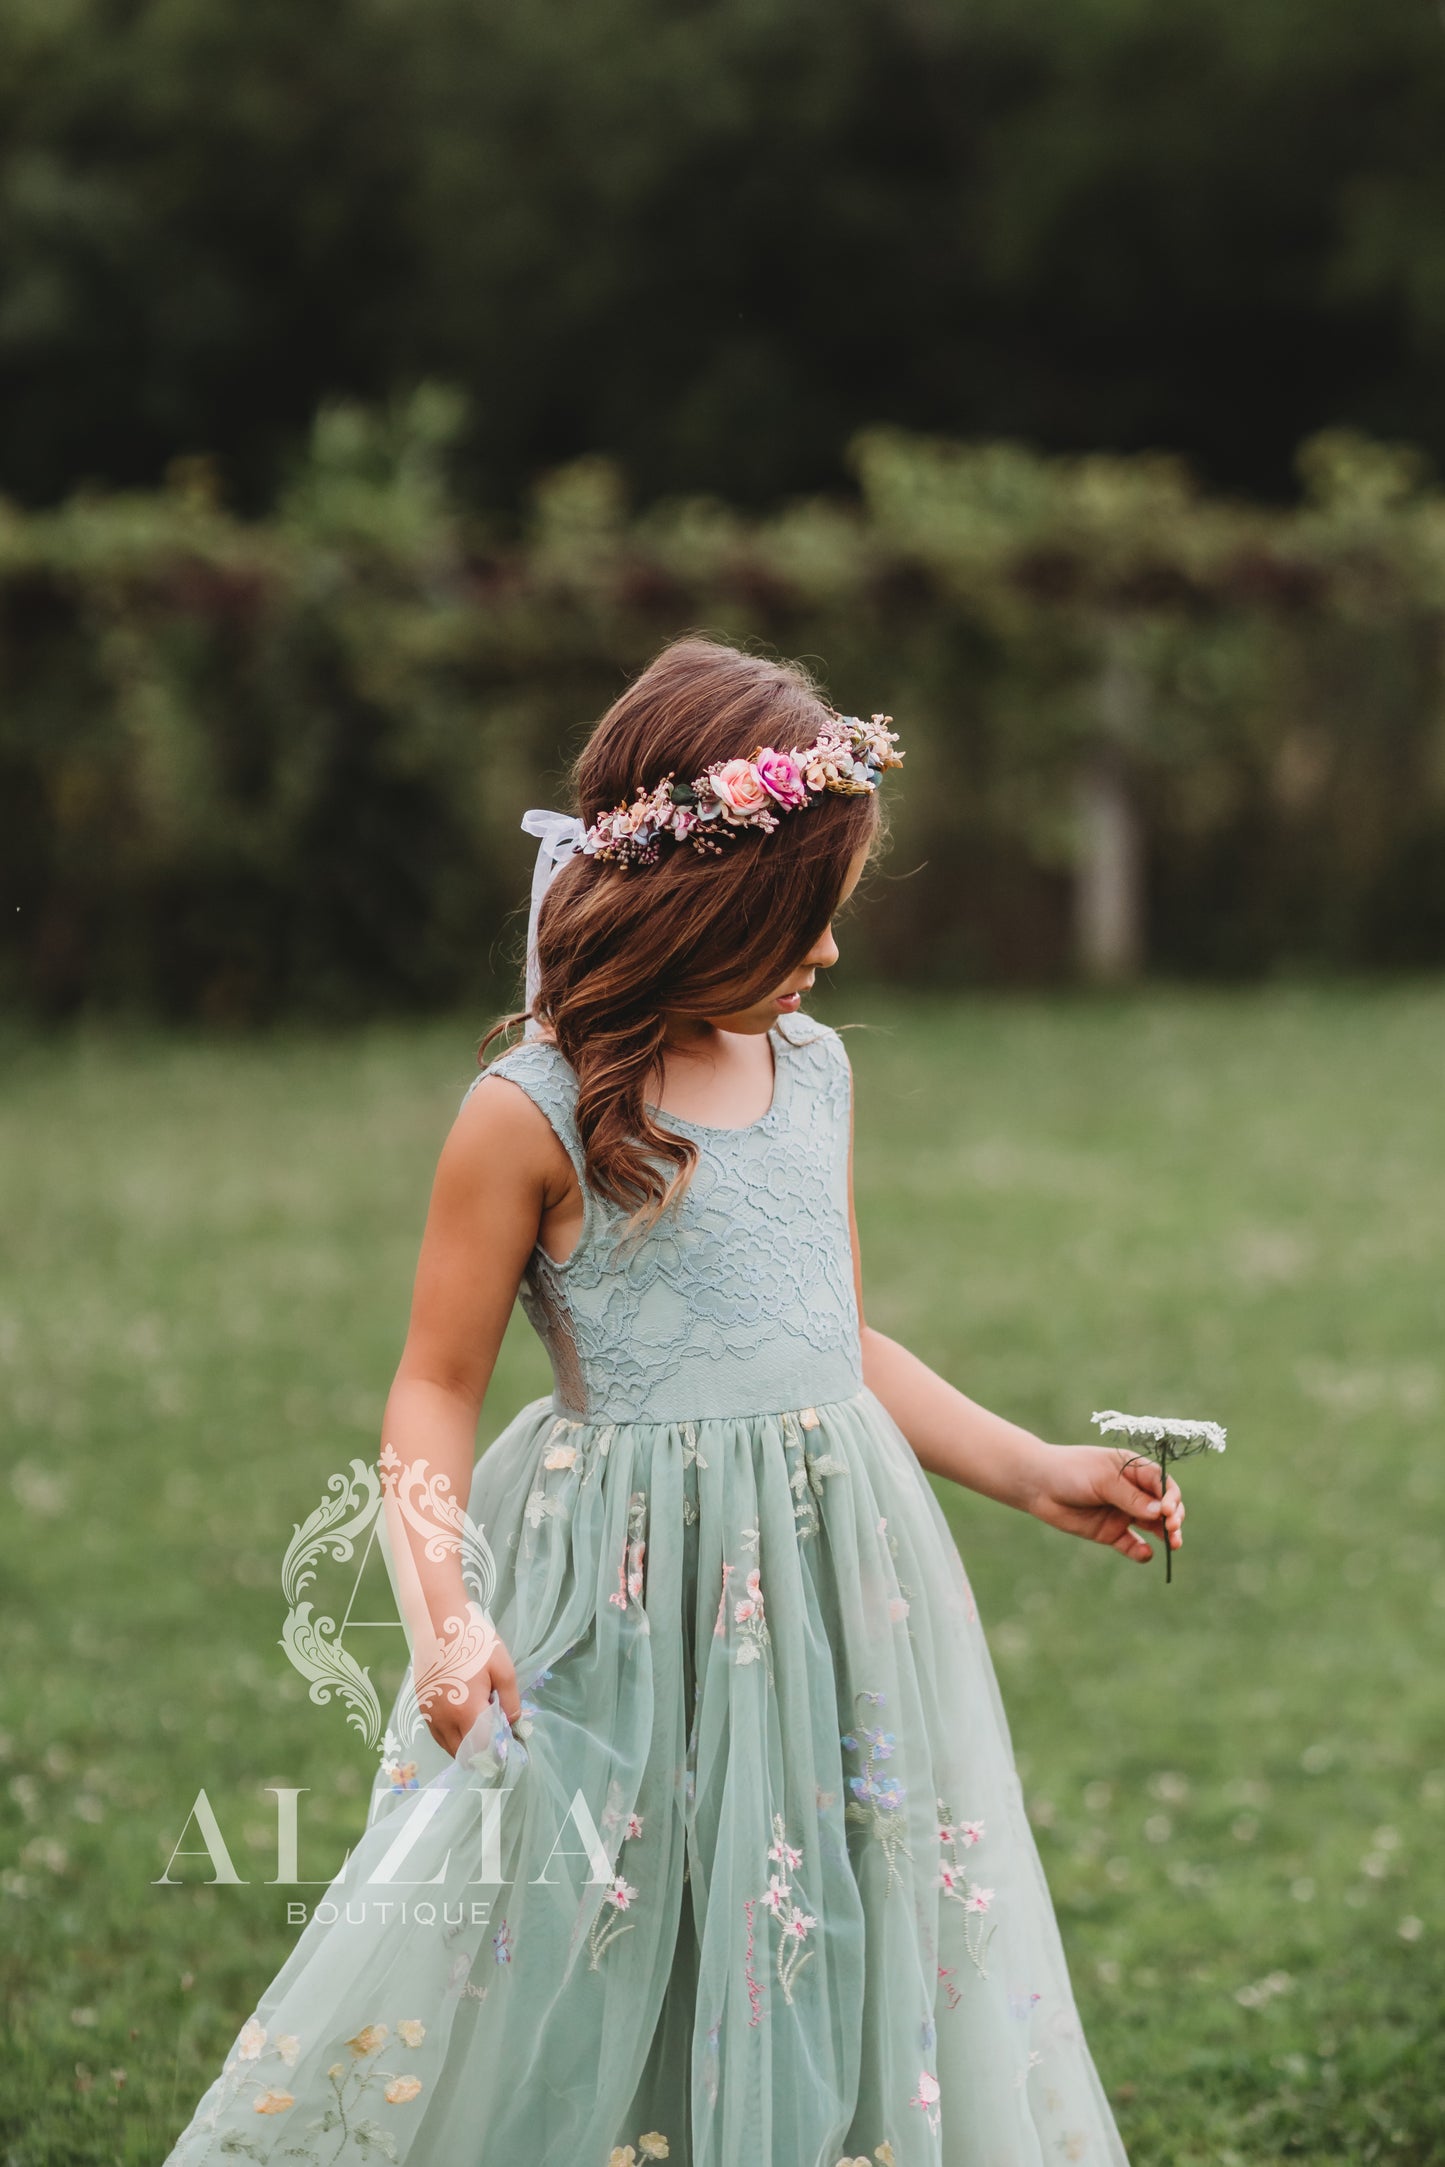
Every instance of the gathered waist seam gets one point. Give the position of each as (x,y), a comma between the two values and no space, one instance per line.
(816,1409)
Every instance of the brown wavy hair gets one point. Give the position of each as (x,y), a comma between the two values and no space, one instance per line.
(618,946)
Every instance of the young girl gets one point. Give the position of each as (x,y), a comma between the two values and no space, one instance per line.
(718,1853)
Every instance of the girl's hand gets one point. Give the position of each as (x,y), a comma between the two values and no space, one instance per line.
(449,1721)
(1097,1491)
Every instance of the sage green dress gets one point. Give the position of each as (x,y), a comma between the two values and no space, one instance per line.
(752,1884)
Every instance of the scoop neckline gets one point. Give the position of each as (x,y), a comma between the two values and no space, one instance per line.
(742,1128)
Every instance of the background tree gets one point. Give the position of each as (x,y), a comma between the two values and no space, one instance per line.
(715,237)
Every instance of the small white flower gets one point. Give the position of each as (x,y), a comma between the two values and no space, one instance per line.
(540,1506)
(1159,1427)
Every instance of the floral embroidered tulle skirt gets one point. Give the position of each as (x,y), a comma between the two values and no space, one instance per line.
(751,1885)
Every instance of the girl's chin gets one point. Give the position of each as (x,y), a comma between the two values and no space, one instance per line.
(753,1022)
(762,1016)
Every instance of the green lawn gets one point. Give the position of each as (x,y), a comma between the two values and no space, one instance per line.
(1224,1204)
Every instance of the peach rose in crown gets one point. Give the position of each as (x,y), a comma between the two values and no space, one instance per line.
(781,776)
(740,787)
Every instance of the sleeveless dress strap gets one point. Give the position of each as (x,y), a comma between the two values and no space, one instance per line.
(543,1071)
(822,1056)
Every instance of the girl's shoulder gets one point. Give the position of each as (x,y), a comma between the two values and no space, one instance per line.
(819,1082)
(817,1043)
(535,1063)
(529,1056)
(541,1069)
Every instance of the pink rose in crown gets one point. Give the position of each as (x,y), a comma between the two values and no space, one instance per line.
(739,786)
(781,776)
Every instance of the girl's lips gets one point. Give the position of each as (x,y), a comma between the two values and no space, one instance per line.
(788,1002)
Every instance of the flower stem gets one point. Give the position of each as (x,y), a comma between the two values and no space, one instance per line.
(1163,1487)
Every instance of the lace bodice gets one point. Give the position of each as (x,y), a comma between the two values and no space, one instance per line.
(740,1300)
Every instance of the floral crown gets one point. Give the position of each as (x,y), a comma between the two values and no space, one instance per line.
(848,756)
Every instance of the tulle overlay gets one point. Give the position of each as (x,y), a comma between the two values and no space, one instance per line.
(824,1931)
(751,1884)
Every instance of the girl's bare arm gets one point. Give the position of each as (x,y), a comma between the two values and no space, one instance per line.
(1081,1489)
(499,1170)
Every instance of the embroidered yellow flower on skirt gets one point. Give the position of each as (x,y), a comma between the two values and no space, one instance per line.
(652,2146)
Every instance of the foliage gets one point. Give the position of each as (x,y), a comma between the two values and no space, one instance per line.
(247,768)
(715,238)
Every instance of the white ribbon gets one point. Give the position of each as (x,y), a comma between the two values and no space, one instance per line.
(559,834)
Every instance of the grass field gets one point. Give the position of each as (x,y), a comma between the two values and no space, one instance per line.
(1223,1204)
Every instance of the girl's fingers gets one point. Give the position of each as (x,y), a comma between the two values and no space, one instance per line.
(1148,1476)
(1140,1492)
(1137,1494)
(1133,1499)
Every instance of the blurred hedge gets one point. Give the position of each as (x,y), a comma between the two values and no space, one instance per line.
(251,769)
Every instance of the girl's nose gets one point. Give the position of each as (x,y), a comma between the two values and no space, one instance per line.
(824,952)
